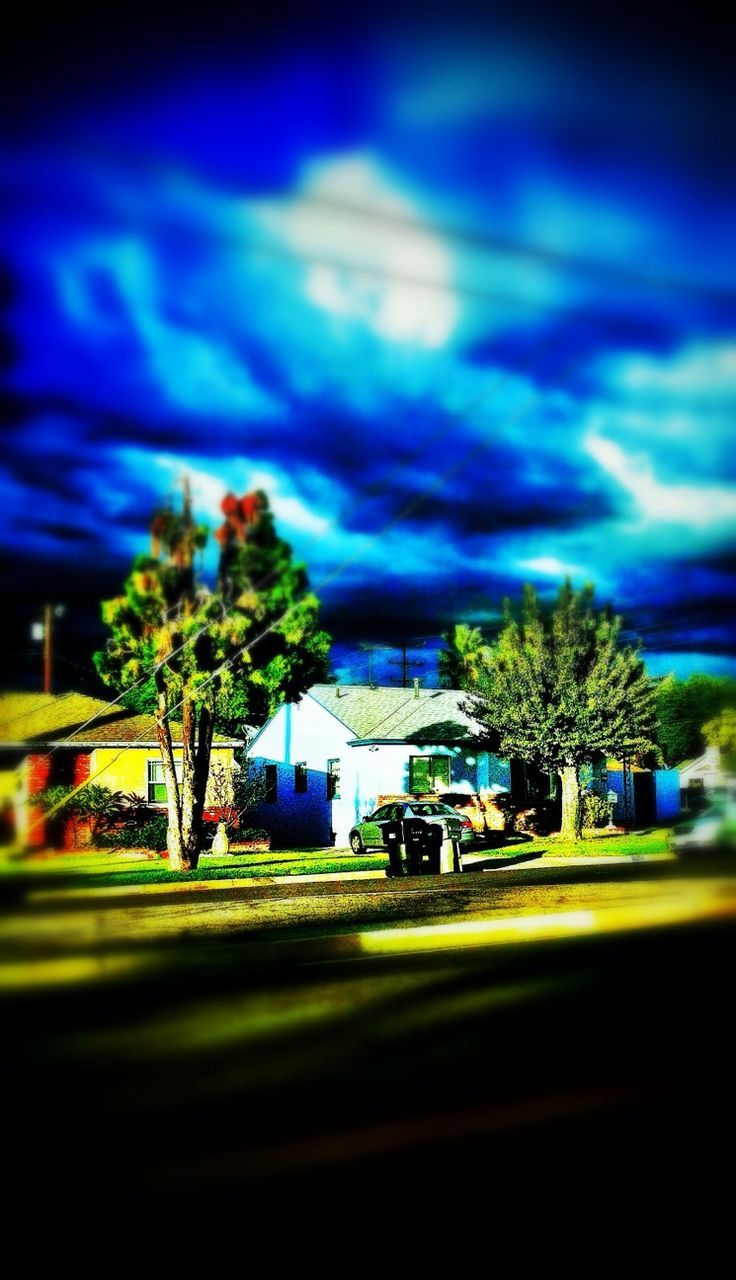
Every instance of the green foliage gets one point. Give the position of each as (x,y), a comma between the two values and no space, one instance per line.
(58,795)
(263,598)
(557,689)
(134,834)
(460,664)
(99,806)
(684,707)
(596,810)
(721,732)
(227,658)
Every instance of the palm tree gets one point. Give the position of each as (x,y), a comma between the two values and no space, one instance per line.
(463,660)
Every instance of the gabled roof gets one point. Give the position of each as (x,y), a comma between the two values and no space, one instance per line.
(48,719)
(386,714)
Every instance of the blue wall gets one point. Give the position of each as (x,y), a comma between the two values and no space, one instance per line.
(297,819)
(667,794)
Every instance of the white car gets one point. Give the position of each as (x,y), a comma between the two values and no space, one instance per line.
(368,834)
(711,831)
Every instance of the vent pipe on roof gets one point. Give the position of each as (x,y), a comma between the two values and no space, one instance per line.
(337,691)
(416,686)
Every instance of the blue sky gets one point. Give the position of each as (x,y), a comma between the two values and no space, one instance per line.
(460,298)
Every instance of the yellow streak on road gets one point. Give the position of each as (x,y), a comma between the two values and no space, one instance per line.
(558,924)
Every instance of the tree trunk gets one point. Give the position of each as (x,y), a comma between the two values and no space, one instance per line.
(571,808)
(174,844)
(190,828)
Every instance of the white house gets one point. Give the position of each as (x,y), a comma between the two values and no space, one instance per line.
(375,741)
(702,777)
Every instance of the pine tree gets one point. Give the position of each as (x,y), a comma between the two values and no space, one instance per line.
(228,657)
(557,690)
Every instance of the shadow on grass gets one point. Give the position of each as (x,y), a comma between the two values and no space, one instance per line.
(504,860)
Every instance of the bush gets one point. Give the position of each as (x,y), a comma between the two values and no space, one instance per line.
(249,834)
(135,834)
(538,821)
(596,811)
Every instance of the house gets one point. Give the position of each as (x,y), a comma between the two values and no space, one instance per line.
(369,742)
(47,739)
(643,796)
(702,778)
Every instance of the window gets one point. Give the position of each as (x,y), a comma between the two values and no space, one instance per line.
(333,779)
(300,776)
(157,793)
(272,779)
(426,773)
(383,813)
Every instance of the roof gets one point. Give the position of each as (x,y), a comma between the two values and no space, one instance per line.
(45,719)
(708,759)
(380,713)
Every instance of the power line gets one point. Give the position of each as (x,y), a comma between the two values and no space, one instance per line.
(494,243)
(229,662)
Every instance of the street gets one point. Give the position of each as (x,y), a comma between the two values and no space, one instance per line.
(207,1039)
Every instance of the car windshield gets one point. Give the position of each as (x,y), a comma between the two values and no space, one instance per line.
(427,810)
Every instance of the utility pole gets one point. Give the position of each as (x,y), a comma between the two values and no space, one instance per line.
(370,649)
(43,631)
(47,615)
(405,662)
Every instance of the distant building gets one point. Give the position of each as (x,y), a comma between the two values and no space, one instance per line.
(702,778)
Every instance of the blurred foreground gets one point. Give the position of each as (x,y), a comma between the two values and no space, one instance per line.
(304,1038)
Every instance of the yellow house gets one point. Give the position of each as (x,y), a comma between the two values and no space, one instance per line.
(69,738)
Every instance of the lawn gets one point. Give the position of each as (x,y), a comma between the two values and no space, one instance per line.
(111,868)
(596,845)
(115,868)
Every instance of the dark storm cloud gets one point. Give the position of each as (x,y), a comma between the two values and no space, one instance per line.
(481,277)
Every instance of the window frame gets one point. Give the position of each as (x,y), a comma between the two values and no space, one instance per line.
(432,777)
(156,763)
(301,777)
(333,779)
(271,779)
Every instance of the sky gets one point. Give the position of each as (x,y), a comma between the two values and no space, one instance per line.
(459,294)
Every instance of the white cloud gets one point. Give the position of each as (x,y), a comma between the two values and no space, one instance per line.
(700,369)
(551,567)
(696,506)
(346,219)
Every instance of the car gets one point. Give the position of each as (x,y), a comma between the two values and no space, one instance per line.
(713,830)
(368,834)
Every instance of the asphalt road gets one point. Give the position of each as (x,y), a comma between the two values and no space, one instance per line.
(305,1038)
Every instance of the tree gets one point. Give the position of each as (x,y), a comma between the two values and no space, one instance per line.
(684,706)
(233,792)
(460,664)
(721,732)
(231,655)
(558,689)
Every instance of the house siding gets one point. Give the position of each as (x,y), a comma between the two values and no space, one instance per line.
(308,731)
(126,770)
(297,819)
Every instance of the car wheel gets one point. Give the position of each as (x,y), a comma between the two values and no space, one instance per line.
(356,844)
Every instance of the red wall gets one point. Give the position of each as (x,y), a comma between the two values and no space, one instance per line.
(41,769)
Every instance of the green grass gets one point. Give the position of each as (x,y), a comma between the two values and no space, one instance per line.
(598,845)
(112,868)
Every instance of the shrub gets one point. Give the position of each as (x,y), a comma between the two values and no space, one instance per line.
(133,834)
(250,834)
(595,811)
(539,821)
